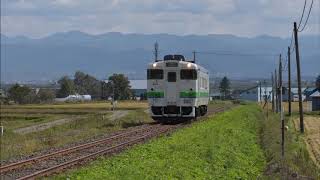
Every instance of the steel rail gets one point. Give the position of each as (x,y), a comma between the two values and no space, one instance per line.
(18,164)
(53,169)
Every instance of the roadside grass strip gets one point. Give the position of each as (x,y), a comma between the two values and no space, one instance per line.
(225,146)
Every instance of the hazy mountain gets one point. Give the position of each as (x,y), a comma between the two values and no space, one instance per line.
(60,54)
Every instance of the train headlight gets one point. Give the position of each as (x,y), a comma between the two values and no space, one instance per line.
(189,65)
(154,65)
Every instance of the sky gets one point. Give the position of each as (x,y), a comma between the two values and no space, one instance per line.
(249,18)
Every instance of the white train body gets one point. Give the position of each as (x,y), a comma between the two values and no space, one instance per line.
(177,89)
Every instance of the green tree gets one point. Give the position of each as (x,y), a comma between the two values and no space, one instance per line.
(46,95)
(67,87)
(86,84)
(225,87)
(318,82)
(120,85)
(21,94)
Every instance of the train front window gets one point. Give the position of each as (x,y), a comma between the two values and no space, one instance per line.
(155,74)
(188,74)
(172,77)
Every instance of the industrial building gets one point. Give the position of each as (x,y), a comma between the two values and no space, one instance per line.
(138,87)
(315,100)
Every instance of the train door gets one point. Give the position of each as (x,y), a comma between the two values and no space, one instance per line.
(171,88)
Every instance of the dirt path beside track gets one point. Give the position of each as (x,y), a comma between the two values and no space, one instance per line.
(44,126)
(118,114)
(40,127)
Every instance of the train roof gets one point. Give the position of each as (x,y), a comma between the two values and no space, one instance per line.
(162,63)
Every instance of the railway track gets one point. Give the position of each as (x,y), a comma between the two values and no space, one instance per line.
(53,162)
(11,166)
(57,161)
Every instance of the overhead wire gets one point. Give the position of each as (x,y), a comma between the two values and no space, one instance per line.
(233,54)
(304,8)
(292,47)
(306,22)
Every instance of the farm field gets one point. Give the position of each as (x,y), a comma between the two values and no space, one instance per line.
(225,146)
(33,128)
(312,137)
(294,106)
(297,161)
(72,108)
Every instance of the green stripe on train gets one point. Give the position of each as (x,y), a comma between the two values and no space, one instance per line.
(184,94)
(155,94)
(192,94)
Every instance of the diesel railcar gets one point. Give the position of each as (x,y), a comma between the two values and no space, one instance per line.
(177,89)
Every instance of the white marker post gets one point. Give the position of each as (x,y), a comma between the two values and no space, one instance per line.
(1,129)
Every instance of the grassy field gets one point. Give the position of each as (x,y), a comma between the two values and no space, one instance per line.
(122,105)
(71,108)
(225,146)
(15,116)
(14,144)
(311,136)
(297,160)
(295,106)
(83,121)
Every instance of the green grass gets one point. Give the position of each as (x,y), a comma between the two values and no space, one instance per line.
(13,144)
(15,121)
(223,147)
(221,102)
(91,124)
(296,160)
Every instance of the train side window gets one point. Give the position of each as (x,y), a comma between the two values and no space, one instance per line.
(172,77)
(190,74)
(155,74)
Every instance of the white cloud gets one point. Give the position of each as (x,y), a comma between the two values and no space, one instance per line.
(65,2)
(23,4)
(246,17)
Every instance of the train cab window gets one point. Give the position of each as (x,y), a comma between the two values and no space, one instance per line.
(155,74)
(190,74)
(172,77)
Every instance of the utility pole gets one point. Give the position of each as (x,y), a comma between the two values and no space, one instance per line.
(281,109)
(260,93)
(265,96)
(194,56)
(156,51)
(272,80)
(280,84)
(289,82)
(276,90)
(299,76)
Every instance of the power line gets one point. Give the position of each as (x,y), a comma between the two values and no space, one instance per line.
(304,8)
(306,22)
(233,54)
(301,18)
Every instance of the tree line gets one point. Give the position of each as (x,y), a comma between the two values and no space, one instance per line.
(117,86)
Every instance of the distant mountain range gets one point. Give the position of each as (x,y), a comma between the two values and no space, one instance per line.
(48,58)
